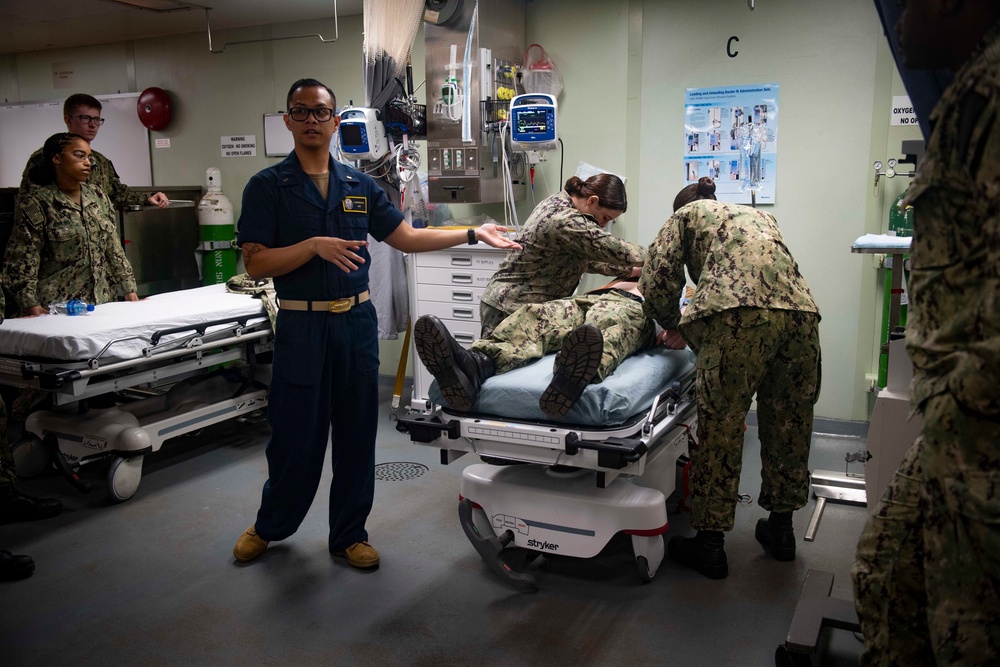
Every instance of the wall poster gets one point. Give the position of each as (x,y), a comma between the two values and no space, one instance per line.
(731,135)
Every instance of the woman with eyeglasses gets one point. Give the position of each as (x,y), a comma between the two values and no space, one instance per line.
(65,244)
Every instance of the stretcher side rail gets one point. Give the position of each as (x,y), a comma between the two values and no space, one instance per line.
(202,327)
(53,378)
(68,384)
(620,450)
(611,453)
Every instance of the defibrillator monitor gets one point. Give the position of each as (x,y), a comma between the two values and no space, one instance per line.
(533,122)
(362,134)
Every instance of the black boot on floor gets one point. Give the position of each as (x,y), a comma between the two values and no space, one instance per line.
(459,372)
(776,534)
(15,567)
(704,552)
(16,506)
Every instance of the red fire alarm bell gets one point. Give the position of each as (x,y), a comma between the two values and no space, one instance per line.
(154,108)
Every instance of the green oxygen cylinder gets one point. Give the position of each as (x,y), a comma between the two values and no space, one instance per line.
(901,217)
(901,223)
(218,232)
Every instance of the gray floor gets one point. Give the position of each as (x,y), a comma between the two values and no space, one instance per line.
(152,581)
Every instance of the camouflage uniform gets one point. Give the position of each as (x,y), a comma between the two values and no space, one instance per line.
(262,289)
(558,245)
(56,253)
(755,328)
(7,475)
(539,329)
(927,574)
(102,175)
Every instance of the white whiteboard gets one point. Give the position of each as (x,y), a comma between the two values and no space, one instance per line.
(123,139)
(277,139)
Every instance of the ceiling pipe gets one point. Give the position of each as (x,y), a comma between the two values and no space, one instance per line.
(208,25)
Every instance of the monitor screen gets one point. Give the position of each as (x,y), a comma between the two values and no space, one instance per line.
(531,121)
(350,135)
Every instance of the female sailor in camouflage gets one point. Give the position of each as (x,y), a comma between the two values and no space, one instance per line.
(64,244)
(564,238)
(754,326)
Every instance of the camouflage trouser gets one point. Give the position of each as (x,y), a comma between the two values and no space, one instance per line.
(927,574)
(7,475)
(539,329)
(741,352)
(489,318)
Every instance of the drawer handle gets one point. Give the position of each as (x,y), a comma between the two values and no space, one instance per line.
(461,296)
(464,338)
(461,278)
(459,260)
(462,313)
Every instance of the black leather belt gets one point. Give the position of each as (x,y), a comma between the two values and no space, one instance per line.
(619,291)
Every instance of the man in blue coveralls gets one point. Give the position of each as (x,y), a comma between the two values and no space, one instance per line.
(305,222)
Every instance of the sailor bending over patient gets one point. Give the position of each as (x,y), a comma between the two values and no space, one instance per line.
(592,334)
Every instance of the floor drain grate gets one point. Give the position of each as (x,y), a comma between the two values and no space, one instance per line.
(399,471)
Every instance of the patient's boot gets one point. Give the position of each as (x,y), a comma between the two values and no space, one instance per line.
(575,366)
(776,534)
(704,552)
(459,372)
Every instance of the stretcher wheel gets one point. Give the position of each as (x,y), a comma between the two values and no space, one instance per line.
(785,658)
(123,478)
(644,572)
(30,456)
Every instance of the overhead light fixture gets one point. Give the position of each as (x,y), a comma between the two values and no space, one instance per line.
(158,6)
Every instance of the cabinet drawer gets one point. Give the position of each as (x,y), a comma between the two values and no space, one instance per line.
(450,294)
(452,313)
(453,276)
(461,259)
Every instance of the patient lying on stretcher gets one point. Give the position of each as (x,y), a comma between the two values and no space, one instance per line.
(592,334)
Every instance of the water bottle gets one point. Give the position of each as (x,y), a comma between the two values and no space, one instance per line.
(71,307)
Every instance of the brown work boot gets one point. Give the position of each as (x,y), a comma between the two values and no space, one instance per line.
(249,546)
(360,554)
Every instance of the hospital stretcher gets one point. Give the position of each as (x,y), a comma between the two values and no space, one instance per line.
(608,467)
(129,376)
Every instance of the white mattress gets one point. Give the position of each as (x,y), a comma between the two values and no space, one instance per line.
(82,337)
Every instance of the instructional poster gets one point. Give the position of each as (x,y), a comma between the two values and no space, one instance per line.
(731,135)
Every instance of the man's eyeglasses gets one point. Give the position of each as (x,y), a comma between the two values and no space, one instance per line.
(321,114)
(82,157)
(87,120)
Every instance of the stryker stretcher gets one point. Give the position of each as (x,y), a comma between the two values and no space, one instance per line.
(129,376)
(608,467)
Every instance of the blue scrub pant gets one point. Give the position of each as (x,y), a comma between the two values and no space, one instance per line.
(325,387)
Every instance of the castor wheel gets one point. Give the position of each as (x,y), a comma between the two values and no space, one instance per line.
(123,478)
(785,658)
(30,456)
(644,572)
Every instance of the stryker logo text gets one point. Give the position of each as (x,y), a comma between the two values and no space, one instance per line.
(545,546)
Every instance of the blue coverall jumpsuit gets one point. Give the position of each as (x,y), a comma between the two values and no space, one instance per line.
(325,364)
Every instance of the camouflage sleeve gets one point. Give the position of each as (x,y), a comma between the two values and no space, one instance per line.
(662,278)
(26,184)
(119,268)
(606,253)
(20,270)
(106,178)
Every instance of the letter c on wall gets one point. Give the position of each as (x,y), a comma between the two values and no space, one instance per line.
(729,47)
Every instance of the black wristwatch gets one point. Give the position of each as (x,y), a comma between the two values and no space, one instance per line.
(472,237)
